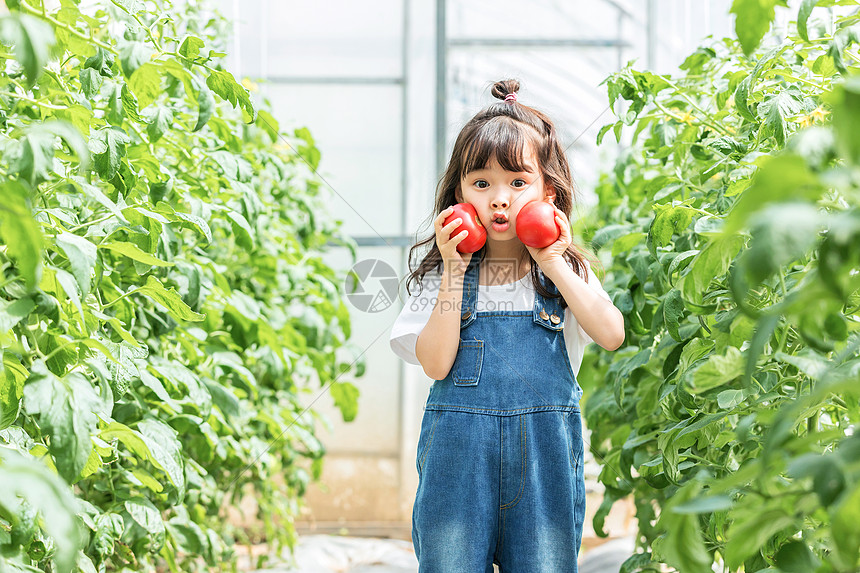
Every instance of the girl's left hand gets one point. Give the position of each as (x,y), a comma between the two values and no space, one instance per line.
(552,255)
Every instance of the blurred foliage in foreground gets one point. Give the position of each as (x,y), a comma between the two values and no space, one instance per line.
(732,223)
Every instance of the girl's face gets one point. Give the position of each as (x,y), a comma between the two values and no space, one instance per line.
(498,195)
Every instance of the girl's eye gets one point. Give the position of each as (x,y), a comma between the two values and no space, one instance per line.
(480,184)
(521,181)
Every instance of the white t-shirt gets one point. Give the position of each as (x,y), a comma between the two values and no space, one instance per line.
(519,295)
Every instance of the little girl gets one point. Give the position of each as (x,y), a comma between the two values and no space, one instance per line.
(502,332)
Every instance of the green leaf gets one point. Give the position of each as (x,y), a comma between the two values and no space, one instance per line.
(129,104)
(707,504)
(169,299)
(795,556)
(746,86)
(132,251)
(205,106)
(31,40)
(669,219)
(145,514)
(269,124)
(66,407)
(108,148)
(145,83)
(102,62)
(82,258)
(845,99)
(12,377)
(70,287)
(728,399)
(242,230)
(190,47)
(753,19)
(824,66)
(131,439)
(162,442)
(345,397)
(224,84)
(750,529)
(779,178)
(79,117)
(130,6)
(673,312)
(808,361)
(627,242)
(775,109)
(846,535)
(710,264)
(683,546)
(602,133)
(31,157)
(718,370)
(781,234)
(13,312)
(20,233)
(95,193)
(91,82)
(158,123)
(132,55)
(23,478)
(803,16)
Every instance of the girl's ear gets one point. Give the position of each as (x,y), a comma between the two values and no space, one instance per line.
(458,197)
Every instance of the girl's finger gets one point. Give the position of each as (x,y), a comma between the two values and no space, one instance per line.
(452,225)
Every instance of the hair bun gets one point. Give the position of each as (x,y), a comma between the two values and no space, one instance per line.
(503,88)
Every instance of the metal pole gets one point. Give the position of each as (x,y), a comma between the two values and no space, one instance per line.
(651,35)
(441,84)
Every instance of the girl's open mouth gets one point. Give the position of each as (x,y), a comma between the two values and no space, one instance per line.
(500,223)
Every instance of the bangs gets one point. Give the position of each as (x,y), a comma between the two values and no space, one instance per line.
(503,139)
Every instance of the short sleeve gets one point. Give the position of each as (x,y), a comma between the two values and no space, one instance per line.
(594,283)
(413,318)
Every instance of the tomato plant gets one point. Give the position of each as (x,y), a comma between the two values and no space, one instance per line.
(163,298)
(732,227)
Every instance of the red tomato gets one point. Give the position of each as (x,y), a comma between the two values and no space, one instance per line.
(536,226)
(477,233)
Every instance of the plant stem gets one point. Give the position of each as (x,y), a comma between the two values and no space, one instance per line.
(96,222)
(703,121)
(791,77)
(707,122)
(66,27)
(31,100)
(119,298)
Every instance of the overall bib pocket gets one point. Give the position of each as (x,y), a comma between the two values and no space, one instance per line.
(467,367)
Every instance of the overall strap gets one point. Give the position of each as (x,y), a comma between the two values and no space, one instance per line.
(470,293)
(548,312)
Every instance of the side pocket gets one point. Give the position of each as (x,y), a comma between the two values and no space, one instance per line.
(425,440)
(467,367)
(575,443)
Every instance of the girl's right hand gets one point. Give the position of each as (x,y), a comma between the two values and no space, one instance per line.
(454,261)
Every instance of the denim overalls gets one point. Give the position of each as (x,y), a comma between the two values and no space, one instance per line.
(500,451)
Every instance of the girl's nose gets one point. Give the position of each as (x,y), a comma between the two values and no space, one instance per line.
(500,204)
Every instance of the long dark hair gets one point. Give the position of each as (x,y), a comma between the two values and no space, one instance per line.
(501,131)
